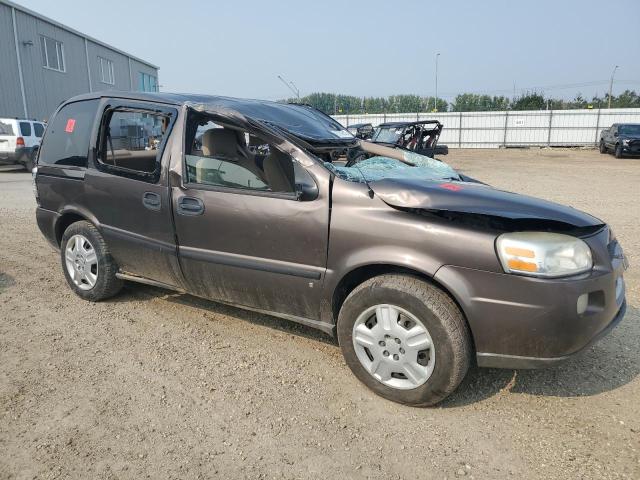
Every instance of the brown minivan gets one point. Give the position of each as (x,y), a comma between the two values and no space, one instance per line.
(417,269)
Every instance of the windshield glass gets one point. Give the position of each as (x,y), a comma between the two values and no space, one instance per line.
(388,134)
(629,130)
(381,168)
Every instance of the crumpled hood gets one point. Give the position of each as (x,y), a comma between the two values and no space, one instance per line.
(475,198)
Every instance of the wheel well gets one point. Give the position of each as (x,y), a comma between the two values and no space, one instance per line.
(361,274)
(64,222)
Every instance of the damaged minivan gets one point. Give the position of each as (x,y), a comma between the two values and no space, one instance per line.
(417,269)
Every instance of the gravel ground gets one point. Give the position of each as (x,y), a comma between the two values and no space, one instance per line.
(159,385)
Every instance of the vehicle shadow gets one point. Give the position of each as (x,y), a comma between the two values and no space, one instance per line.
(6,281)
(611,363)
(140,292)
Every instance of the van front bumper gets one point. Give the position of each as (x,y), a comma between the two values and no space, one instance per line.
(526,322)
(496,360)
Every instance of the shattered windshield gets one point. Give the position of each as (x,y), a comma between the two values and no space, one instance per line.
(381,168)
(388,134)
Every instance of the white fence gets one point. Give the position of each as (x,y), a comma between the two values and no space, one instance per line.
(552,128)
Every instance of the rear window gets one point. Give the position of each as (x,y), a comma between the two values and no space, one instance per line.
(68,135)
(6,129)
(25,129)
(38,128)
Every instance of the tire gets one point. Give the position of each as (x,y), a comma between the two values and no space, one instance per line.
(618,151)
(444,364)
(602,147)
(98,280)
(30,160)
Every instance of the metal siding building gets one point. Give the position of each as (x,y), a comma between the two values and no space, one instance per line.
(42,63)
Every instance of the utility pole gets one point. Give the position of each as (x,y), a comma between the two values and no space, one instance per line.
(435,106)
(611,83)
(291,86)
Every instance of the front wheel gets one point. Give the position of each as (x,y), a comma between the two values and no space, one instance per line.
(88,266)
(618,151)
(405,339)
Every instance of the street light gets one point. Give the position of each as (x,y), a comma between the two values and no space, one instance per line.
(611,83)
(435,106)
(291,86)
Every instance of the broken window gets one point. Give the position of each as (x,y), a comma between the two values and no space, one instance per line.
(221,156)
(381,168)
(131,140)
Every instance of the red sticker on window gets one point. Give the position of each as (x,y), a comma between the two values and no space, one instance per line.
(71,124)
(451,186)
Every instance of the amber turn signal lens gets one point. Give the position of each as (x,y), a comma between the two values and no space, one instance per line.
(521,265)
(520,252)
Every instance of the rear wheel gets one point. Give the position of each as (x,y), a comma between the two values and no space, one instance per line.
(618,151)
(30,161)
(405,339)
(602,147)
(88,266)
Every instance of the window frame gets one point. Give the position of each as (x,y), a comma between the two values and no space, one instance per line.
(59,54)
(110,70)
(233,190)
(106,113)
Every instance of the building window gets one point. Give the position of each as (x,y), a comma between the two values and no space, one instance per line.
(106,71)
(148,83)
(52,53)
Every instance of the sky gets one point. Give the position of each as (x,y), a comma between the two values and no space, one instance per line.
(370,48)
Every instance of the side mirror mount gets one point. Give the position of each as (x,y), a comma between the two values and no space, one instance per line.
(615,134)
(306,186)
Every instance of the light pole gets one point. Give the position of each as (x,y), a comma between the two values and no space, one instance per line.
(435,106)
(611,83)
(291,86)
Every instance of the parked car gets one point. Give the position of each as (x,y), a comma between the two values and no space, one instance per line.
(621,139)
(420,137)
(19,141)
(414,269)
(363,131)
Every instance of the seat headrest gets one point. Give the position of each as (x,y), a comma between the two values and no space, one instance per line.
(221,141)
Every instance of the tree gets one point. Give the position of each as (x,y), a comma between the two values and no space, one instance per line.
(529,101)
(471,102)
(336,104)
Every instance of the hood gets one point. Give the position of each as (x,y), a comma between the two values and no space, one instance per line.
(475,198)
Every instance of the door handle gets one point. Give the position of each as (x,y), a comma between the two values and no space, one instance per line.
(190,206)
(151,201)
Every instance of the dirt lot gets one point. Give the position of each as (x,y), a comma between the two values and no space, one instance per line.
(158,385)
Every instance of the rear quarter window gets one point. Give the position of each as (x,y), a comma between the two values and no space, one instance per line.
(38,128)
(69,134)
(25,129)
(6,128)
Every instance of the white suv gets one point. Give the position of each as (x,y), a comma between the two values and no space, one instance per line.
(20,141)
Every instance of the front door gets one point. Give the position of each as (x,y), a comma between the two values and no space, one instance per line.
(244,236)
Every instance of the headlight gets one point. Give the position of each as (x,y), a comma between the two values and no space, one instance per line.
(541,254)
(625,141)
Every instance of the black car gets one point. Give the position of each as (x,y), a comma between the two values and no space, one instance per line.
(420,137)
(621,139)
